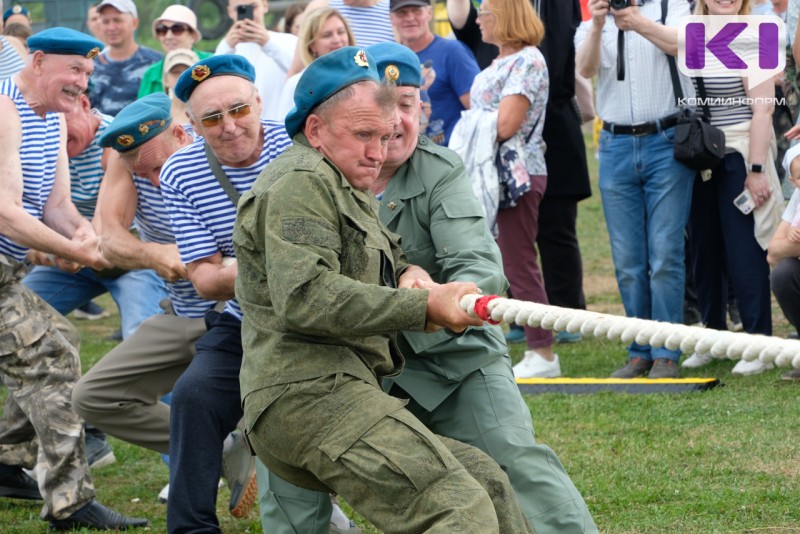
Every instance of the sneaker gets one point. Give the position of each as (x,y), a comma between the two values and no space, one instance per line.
(340,523)
(17,484)
(116,335)
(98,452)
(635,367)
(755,367)
(239,471)
(163,495)
(533,365)
(566,337)
(516,334)
(90,312)
(697,360)
(663,368)
(96,516)
(791,376)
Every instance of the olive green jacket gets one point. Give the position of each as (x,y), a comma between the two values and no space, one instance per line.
(429,202)
(317,272)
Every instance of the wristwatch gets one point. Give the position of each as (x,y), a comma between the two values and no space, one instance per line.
(756,167)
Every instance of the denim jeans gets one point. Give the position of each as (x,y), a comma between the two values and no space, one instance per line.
(137,293)
(646,197)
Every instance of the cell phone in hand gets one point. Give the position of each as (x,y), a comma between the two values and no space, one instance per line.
(244,11)
(744,202)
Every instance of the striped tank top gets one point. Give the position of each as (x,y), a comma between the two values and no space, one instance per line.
(201,214)
(10,62)
(370,25)
(152,223)
(38,153)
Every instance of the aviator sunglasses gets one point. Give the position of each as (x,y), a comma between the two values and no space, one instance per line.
(236,112)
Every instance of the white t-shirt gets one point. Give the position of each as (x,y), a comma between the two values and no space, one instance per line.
(271,63)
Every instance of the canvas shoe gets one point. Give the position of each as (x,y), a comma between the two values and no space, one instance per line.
(533,365)
(697,360)
(755,367)
(791,376)
(91,311)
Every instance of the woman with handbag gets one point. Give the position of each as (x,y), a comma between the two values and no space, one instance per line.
(729,233)
(516,86)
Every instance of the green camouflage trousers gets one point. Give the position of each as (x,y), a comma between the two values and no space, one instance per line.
(39,364)
(340,434)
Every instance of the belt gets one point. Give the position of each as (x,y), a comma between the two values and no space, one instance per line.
(643,128)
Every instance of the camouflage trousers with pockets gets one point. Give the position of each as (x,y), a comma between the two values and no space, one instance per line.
(39,364)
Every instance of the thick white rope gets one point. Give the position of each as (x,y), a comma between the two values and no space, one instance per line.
(720,344)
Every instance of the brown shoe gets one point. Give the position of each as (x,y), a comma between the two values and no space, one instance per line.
(791,376)
(634,368)
(663,368)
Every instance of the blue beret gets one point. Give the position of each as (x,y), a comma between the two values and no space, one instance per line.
(14,10)
(326,76)
(396,63)
(65,41)
(137,123)
(222,65)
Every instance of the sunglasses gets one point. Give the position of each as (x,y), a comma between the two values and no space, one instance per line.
(176,29)
(237,112)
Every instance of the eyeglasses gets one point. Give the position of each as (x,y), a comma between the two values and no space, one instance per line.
(236,112)
(484,13)
(176,29)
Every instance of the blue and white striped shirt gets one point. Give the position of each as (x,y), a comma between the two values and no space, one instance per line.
(38,154)
(370,25)
(10,62)
(86,172)
(152,223)
(202,215)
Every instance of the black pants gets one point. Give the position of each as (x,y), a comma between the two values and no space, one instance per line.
(562,265)
(785,280)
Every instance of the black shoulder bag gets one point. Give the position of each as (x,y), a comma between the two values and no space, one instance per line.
(697,143)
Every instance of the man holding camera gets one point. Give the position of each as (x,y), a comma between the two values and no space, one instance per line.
(646,193)
(270,52)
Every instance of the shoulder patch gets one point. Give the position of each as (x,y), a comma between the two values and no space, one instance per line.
(426,145)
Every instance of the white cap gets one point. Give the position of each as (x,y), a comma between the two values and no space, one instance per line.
(182,14)
(123,6)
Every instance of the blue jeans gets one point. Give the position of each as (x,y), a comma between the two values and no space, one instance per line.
(646,197)
(137,293)
(206,405)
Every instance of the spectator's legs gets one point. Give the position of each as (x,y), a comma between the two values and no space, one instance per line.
(562,265)
(518,227)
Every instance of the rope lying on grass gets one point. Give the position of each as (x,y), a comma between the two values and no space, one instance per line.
(720,344)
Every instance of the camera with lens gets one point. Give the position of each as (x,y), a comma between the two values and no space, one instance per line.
(621,4)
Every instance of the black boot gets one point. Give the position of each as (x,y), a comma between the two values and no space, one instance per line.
(16,484)
(96,516)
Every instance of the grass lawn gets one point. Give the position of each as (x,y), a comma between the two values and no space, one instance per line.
(725,460)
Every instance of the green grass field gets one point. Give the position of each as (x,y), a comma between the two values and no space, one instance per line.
(722,461)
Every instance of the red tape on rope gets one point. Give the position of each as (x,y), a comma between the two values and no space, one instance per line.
(482,308)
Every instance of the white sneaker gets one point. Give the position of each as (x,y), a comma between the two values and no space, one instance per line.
(755,367)
(697,360)
(163,494)
(533,365)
